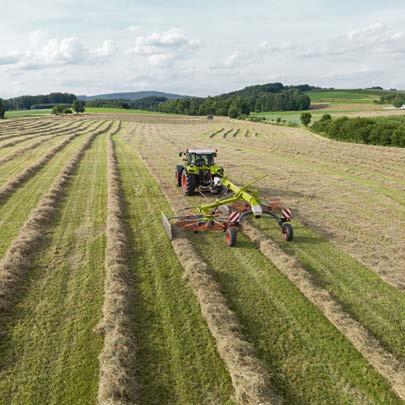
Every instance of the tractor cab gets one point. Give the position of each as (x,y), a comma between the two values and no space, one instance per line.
(200,157)
(199,171)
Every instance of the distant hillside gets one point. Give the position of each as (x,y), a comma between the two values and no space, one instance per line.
(134,95)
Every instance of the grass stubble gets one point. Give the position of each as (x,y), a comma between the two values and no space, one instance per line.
(22,177)
(387,364)
(250,379)
(17,259)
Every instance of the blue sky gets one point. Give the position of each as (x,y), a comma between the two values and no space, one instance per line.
(91,47)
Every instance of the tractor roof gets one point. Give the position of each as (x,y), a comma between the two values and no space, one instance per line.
(201,151)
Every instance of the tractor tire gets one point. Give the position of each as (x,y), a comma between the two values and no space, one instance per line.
(179,171)
(287,231)
(188,183)
(231,236)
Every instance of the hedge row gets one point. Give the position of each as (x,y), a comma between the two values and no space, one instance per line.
(387,131)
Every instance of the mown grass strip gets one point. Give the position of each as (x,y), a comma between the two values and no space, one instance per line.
(18,136)
(17,260)
(60,129)
(250,378)
(235,134)
(117,359)
(23,150)
(48,348)
(226,133)
(176,357)
(26,131)
(378,306)
(392,369)
(309,360)
(30,171)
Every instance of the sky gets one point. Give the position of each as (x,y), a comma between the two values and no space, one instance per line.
(91,47)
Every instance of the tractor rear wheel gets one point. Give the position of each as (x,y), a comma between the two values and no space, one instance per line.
(188,183)
(287,231)
(179,171)
(231,236)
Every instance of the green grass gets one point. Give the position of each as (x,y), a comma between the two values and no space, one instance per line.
(375,304)
(309,360)
(20,163)
(343,96)
(15,210)
(50,353)
(177,361)
(27,113)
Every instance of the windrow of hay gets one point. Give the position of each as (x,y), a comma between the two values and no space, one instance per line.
(225,134)
(22,177)
(62,129)
(235,134)
(21,151)
(17,259)
(390,367)
(250,379)
(117,359)
(216,132)
(19,131)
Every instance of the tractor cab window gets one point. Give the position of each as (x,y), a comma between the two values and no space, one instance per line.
(201,159)
(205,160)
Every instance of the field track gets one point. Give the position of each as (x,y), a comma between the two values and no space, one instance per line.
(97,305)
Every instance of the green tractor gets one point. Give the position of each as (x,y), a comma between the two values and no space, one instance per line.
(199,172)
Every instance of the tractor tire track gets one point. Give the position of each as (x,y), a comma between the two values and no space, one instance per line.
(22,177)
(391,368)
(17,260)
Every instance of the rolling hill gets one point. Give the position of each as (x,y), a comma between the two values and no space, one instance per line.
(133,95)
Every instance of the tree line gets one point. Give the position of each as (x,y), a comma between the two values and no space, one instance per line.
(145,103)
(234,106)
(258,98)
(386,131)
(40,101)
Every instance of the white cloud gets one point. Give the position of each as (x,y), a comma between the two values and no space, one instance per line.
(133,28)
(54,52)
(232,60)
(365,31)
(163,48)
(272,47)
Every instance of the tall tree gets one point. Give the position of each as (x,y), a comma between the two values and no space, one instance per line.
(2,108)
(78,106)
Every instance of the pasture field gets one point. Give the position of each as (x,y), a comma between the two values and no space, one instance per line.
(97,305)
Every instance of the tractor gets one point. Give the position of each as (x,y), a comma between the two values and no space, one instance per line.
(199,172)
(233,205)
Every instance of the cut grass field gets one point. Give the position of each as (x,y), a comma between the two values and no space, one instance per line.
(107,308)
(173,346)
(62,299)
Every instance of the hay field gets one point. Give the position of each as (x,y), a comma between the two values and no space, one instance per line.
(97,305)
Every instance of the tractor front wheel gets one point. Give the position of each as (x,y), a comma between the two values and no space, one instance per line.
(179,170)
(287,231)
(231,236)
(188,183)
